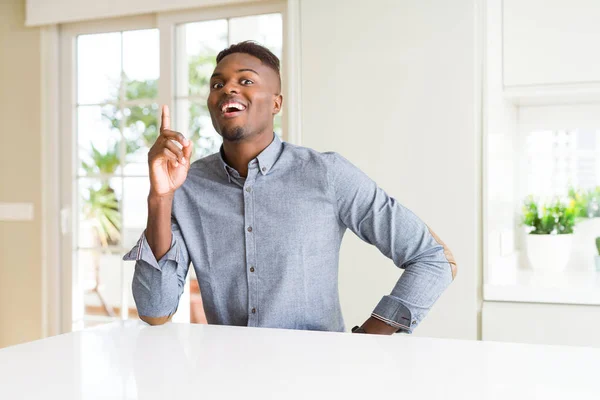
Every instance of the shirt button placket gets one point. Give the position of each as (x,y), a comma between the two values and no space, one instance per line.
(250,247)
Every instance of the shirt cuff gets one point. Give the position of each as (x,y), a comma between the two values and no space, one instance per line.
(142,251)
(393,312)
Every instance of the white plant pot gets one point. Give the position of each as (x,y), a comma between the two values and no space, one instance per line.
(549,252)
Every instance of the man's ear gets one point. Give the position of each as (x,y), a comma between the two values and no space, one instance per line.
(277,103)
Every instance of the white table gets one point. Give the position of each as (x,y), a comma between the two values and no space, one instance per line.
(131,360)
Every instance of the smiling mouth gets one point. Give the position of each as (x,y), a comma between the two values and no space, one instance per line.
(232,109)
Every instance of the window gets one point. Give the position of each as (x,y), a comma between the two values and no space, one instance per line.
(561,162)
(551,153)
(116,114)
(562,159)
(115,80)
(559,149)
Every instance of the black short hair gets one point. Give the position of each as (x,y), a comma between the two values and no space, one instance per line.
(254,49)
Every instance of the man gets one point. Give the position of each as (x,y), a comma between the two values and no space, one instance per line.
(262,220)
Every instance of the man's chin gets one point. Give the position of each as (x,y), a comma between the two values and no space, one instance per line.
(233,133)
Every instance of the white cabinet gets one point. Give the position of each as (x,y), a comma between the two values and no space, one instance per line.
(556,324)
(551,42)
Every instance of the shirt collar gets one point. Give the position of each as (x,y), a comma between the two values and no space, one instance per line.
(265,159)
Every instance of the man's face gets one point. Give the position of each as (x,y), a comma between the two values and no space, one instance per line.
(244,97)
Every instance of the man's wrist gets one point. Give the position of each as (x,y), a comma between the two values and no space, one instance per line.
(378,327)
(155,198)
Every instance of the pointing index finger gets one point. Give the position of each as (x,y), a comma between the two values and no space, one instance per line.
(165,122)
(175,136)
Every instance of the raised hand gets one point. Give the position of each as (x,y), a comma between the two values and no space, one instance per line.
(168,163)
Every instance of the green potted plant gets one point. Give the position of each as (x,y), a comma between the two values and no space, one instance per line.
(550,230)
(587,210)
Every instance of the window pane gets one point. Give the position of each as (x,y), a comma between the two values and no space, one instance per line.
(265,29)
(99,212)
(98,67)
(105,286)
(98,139)
(560,160)
(199,127)
(135,211)
(140,133)
(141,63)
(202,42)
(278,124)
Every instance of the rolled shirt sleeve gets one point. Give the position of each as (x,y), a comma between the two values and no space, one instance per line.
(400,235)
(158,284)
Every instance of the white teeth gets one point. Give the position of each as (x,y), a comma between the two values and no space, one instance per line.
(237,106)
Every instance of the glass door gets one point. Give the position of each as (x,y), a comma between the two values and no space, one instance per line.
(116,114)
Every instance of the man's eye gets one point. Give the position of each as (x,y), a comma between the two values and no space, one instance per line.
(217,85)
(247,82)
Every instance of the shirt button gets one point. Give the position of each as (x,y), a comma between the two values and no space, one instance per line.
(251,269)
(248,189)
(253,310)
(264,169)
(249,229)
(414,322)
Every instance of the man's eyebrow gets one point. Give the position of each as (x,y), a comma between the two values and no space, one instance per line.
(247,69)
(239,70)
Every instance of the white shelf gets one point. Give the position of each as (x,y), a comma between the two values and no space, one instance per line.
(509,282)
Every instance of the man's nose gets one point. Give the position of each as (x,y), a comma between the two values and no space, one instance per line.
(231,88)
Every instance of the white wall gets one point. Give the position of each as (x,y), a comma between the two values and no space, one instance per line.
(20,176)
(394,87)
